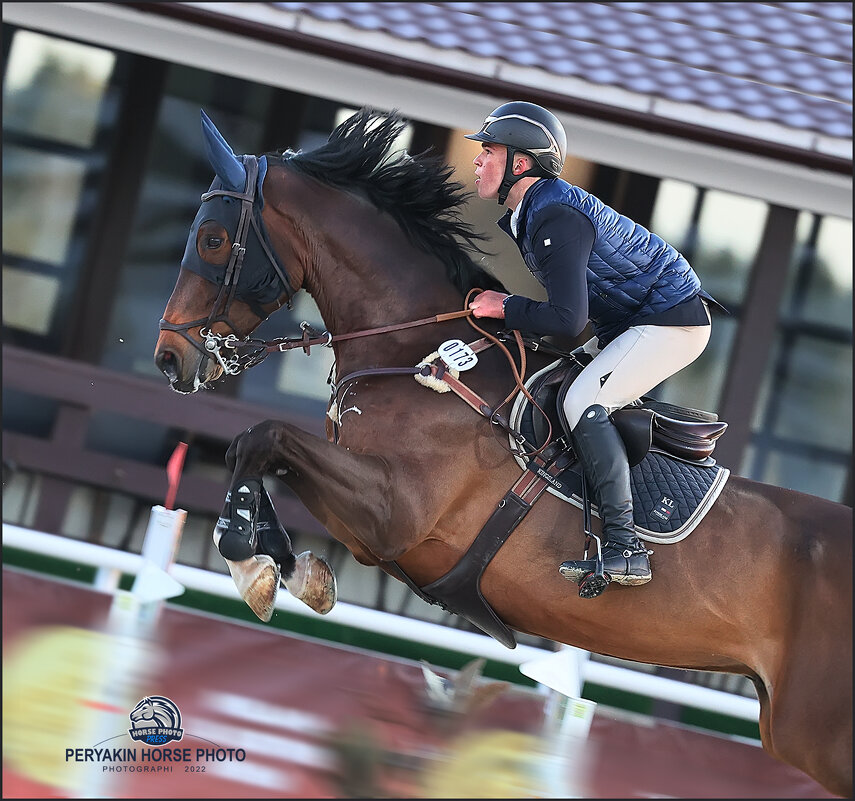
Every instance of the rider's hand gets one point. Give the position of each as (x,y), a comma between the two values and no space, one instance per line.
(488,304)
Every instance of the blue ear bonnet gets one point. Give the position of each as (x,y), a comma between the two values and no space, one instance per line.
(257,282)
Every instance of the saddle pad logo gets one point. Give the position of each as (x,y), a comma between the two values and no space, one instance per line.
(664,509)
(156,721)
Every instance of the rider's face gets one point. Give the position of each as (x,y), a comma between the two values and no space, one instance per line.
(489,170)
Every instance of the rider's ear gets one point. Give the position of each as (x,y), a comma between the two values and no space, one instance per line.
(521,164)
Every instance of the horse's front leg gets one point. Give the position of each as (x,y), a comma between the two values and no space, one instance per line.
(358,497)
(258,552)
(338,487)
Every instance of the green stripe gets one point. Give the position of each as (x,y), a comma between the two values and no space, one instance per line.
(320,628)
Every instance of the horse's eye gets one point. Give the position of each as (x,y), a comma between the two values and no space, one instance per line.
(213,242)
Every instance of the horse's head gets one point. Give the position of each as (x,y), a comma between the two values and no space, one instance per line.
(230,280)
(155,710)
(144,710)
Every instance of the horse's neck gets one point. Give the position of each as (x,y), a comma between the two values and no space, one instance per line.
(363,273)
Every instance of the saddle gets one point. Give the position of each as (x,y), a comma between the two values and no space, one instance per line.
(647,424)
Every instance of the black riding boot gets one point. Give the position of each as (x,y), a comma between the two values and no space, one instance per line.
(603,456)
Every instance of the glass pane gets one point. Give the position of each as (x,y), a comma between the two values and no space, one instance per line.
(829,295)
(672,212)
(291,378)
(54,88)
(816,396)
(307,377)
(799,472)
(41,193)
(29,300)
(804,224)
(729,231)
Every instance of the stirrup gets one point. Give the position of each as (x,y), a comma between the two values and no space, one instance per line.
(592,578)
(594,584)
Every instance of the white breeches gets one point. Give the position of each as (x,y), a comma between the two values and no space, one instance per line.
(632,364)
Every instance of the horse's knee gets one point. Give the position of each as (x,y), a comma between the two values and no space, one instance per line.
(256,441)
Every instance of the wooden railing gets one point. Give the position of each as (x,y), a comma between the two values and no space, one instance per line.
(83,390)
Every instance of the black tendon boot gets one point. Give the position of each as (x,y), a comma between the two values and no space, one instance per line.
(239,521)
(272,537)
(603,456)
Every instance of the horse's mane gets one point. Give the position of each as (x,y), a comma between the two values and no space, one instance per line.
(415,190)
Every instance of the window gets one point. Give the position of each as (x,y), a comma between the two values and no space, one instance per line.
(802,424)
(719,233)
(57,104)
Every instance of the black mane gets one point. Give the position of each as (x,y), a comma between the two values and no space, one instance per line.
(414,190)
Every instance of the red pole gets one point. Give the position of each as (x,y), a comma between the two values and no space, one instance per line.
(173,473)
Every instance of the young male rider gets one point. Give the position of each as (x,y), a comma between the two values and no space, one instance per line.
(649,315)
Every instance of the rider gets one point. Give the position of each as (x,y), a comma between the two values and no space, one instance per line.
(650,317)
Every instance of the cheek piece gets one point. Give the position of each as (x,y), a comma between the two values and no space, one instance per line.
(248,275)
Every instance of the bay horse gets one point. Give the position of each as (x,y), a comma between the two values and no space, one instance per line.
(407,477)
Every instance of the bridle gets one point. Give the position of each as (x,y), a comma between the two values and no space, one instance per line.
(213,343)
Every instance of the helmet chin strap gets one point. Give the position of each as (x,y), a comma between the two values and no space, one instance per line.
(509,179)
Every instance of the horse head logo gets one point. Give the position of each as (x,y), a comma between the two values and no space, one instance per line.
(156,720)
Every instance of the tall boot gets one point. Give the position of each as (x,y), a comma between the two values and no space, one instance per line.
(603,456)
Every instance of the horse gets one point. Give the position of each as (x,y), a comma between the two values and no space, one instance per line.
(407,476)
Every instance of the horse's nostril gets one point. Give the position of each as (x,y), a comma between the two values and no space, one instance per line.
(167,363)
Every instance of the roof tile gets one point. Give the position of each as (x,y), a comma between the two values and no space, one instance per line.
(789,63)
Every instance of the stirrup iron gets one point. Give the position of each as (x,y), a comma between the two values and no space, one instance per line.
(593,584)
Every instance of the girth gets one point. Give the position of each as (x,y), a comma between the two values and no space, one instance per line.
(459,590)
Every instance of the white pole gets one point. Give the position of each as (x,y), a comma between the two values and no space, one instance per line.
(406,628)
(132,658)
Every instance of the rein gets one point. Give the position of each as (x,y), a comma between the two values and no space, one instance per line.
(325,338)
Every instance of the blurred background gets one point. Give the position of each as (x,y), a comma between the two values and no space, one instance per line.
(724,127)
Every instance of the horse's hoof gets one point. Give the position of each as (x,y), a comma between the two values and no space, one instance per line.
(313,582)
(257,580)
(592,586)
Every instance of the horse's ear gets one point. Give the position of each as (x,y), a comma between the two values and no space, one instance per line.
(225,163)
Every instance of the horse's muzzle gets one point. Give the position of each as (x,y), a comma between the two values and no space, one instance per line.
(185,372)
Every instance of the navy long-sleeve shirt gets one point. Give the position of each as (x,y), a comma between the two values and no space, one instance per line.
(562,243)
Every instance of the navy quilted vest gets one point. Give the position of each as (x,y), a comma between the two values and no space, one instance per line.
(631,272)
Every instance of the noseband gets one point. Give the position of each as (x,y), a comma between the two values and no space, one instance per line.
(212,342)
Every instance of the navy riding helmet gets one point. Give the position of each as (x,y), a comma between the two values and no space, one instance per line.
(530,129)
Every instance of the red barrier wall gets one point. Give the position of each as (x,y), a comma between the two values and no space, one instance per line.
(314,720)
